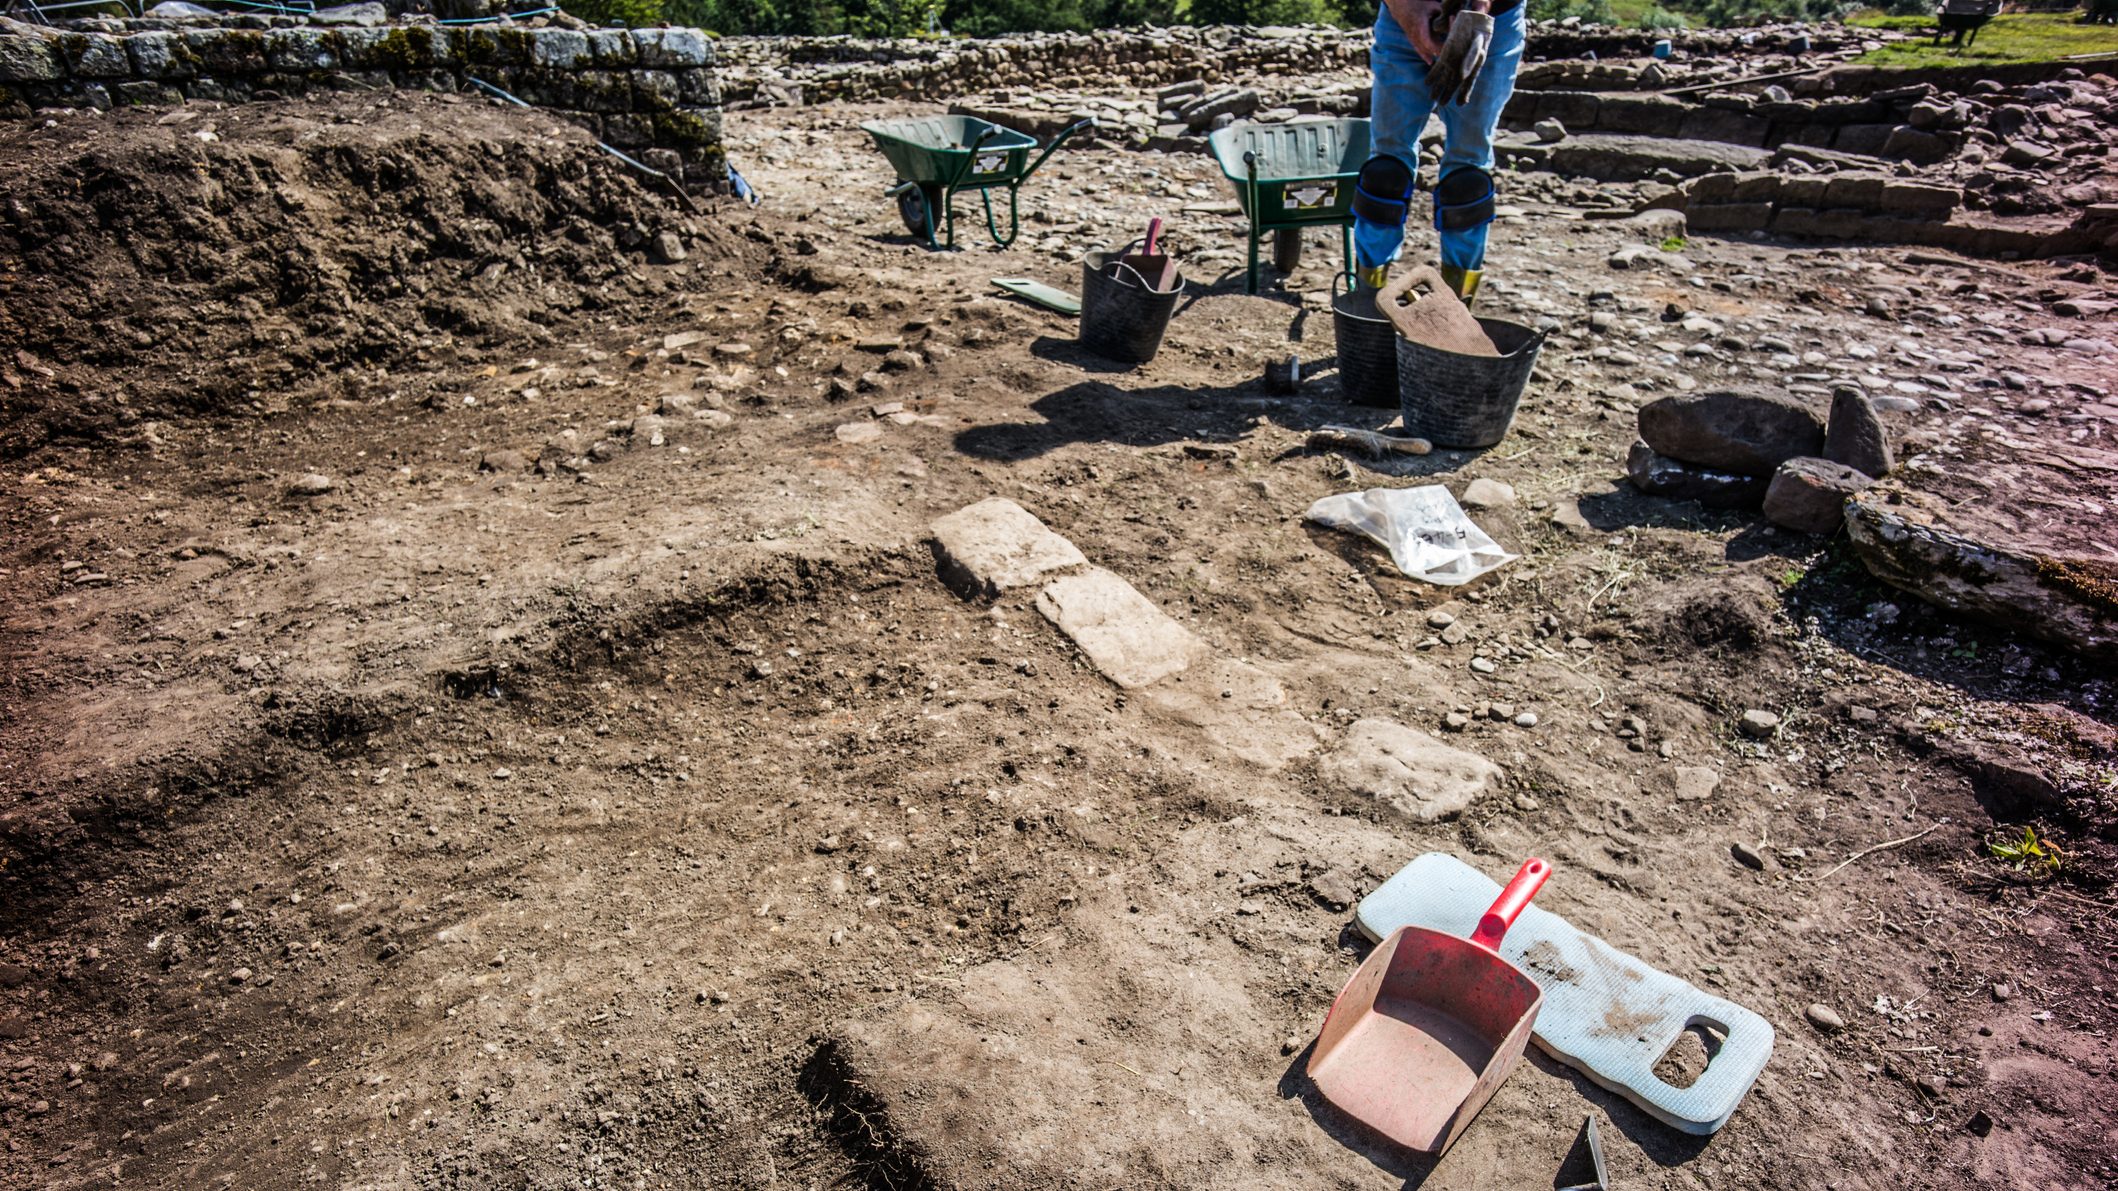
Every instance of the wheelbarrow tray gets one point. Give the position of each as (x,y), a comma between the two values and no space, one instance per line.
(1306,170)
(936,150)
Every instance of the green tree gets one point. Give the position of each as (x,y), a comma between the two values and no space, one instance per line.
(1268,12)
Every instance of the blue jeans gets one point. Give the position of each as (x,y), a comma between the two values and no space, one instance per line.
(1401,106)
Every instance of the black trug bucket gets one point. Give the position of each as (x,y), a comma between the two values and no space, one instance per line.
(1367,349)
(1121,319)
(1460,401)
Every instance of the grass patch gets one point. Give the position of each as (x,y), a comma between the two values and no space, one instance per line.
(2025,37)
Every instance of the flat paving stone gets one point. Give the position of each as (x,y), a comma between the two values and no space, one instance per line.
(1130,640)
(997,545)
(1410,770)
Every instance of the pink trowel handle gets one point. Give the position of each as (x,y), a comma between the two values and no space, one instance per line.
(1510,904)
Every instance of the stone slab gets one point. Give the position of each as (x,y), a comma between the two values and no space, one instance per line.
(2003,528)
(997,545)
(1130,640)
(1410,770)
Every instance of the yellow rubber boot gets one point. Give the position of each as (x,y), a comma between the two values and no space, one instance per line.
(1462,282)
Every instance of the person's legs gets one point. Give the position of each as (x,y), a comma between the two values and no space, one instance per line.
(1463,192)
(1398,110)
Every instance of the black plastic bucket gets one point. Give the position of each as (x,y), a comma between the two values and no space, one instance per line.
(1367,349)
(1122,319)
(1454,400)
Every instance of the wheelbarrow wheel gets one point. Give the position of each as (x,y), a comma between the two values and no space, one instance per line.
(913,205)
(1287,249)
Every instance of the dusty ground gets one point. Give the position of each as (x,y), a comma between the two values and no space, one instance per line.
(532,810)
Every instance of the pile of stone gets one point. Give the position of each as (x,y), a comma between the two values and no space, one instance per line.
(766,71)
(1755,450)
(649,91)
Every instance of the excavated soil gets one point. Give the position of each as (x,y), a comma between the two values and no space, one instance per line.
(482,711)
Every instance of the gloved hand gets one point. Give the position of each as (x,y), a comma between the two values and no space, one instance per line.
(1453,72)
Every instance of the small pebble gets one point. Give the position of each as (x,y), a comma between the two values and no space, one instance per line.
(1527,719)
(1825,1018)
(1439,619)
(1483,665)
(1759,725)
(1747,856)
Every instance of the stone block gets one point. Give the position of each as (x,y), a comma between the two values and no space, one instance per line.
(603,90)
(1756,186)
(1576,109)
(1912,144)
(559,48)
(27,58)
(628,130)
(1711,188)
(485,45)
(1737,128)
(1122,632)
(612,47)
(1863,191)
(144,91)
(654,90)
(1809,495)
(302,50)
(96,56)
(1900,196)
(227,51)
(1865,139)
(160,55)
(1730,217)
(997,545)
(697,88)
(1642,115)
(672,47)
(1803,190)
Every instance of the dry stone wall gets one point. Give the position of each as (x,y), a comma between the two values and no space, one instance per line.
(650,92)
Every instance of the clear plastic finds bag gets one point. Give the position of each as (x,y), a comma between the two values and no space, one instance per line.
(1425,530)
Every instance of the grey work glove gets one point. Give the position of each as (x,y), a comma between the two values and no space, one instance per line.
(1453,71)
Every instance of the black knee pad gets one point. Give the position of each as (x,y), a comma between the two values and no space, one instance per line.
(1382,193)
(1463,199)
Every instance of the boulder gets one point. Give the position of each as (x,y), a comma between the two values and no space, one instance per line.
(2009,530)
(1659,475)
(1726,430)
(1809,495)
(1855,435)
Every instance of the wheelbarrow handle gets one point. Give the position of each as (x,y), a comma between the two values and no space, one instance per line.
(1071,129)
(1511,903)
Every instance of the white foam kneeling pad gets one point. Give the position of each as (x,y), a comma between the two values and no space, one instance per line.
(1606,1014)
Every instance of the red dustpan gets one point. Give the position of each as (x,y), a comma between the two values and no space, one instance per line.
(1430,1025)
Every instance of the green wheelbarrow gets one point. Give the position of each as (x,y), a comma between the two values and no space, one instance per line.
(1293,176)
(937,156)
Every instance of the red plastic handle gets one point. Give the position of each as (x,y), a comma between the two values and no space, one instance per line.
(1511,903)
(1154,233)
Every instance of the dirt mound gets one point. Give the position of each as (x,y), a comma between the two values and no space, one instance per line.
(229,259)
